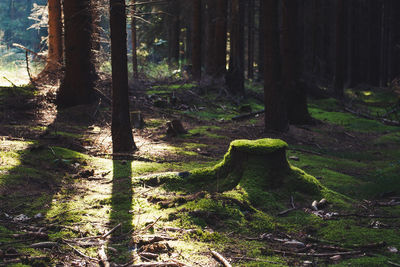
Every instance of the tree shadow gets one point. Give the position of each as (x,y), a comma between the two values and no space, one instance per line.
(121,207)
(37,169)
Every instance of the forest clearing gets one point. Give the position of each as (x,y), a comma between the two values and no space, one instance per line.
(160,162)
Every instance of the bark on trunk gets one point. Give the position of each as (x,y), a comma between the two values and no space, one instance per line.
(121,129)
(235,77)
(78,83)
(196,39)
(55,44)
(210,55)
(274,96)
(340,48)
(174,29)
(220,39)
(250,40)
(297,111)
(134,39)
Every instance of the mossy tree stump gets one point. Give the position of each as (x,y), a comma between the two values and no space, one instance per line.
(267,153)
(259,167)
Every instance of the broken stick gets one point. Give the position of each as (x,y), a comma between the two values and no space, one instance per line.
(220,258)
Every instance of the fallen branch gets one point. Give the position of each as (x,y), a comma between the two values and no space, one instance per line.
(111,231)
(366,116)
(28,70)
(220,258)
(255,259)
(367,216)
(247,115)
(103,257)
(306,151)
(393,263)
(286,211)
(147,227)
(80,253)
(156,264)
(320,255)
(44,245)
(13,84)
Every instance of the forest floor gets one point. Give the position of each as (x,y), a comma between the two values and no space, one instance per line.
(64,201)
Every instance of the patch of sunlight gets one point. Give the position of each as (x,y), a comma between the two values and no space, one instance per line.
(367,93)
(13,76)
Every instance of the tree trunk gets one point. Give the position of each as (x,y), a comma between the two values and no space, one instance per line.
(340,48)
(250,40)
(235,77)
(78,83)
(220,39)
(134,39)
(261,41)
(210,56)
(121,129)
(375,8)
(292,63)
(55,45)
(274,96)
(174,29)
(196,40)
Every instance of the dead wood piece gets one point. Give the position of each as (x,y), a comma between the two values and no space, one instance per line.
(137,120)
(391,203)
(247,115)
(103,257)
(147,227)
(321,255)
(175,127)
(148,255)
(155,264)
(367,216)
(220,258)
(381,244)
(286,211)
(306,151)
(80,253)
(37,235)
(44,245)
(254,259)
(366,116)
(111,231)
(393,263)
(15,242)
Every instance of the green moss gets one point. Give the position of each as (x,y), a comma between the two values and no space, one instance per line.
(166,89)
(264,184)
(205,131)
(350,121)
(259,146)
(388,139)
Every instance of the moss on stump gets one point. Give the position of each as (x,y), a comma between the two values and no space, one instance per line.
(259,167)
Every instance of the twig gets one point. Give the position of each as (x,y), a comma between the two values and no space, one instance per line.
(44,245)
(147,227)
(28,69)
(111,231)
(221,258)
(247,115)
(292,202)
(254,259)
(366,216)
(393,263)
(321,255)
(13,84)
(306,151)
(80,253)
(103,257)
(155,264)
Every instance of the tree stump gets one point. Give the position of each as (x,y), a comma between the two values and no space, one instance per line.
(175,128)
(257,166)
